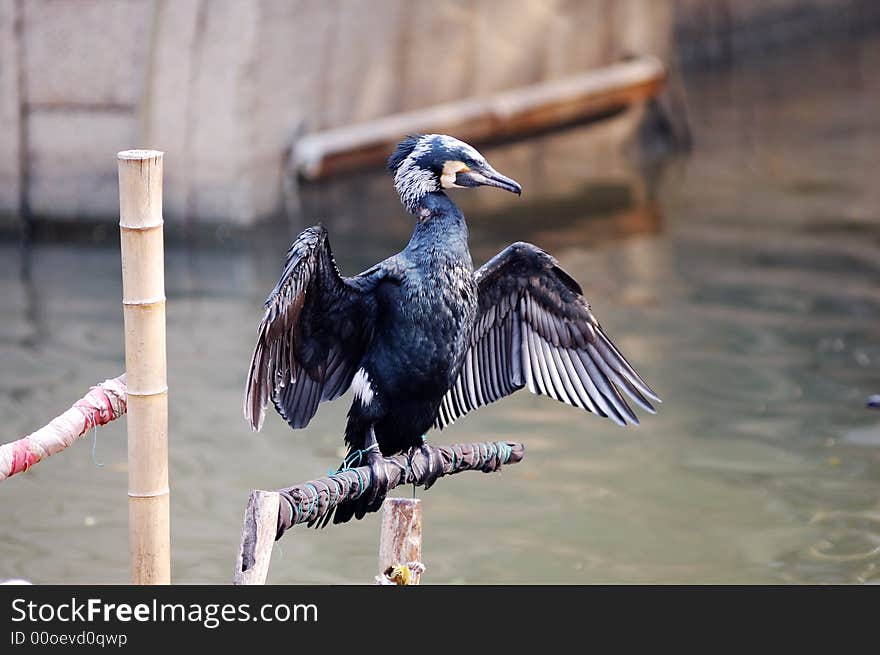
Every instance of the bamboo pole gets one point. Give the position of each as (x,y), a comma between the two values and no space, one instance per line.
(400,538)
(143,299)
(257,538)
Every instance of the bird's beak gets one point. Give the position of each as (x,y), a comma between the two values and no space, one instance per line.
(486,176)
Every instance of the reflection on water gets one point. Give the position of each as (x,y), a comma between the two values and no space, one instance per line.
(743,283)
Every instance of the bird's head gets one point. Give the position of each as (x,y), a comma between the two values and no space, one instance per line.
(426,163)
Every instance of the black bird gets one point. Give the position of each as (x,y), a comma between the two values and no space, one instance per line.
(421,338)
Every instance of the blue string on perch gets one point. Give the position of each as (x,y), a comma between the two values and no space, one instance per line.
(312,501)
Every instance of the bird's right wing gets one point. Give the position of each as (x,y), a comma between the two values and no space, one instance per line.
(312,337)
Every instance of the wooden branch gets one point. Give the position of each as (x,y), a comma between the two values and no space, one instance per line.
(103,403)
(578,98)
(312,501)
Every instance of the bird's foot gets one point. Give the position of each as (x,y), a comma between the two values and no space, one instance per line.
(378,475)
(434,466)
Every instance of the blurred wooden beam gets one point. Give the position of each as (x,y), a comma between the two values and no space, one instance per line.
(517,112)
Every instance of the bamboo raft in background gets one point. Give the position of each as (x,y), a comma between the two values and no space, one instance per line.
(270,514)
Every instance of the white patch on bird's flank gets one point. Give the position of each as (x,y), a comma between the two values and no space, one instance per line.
(362,387)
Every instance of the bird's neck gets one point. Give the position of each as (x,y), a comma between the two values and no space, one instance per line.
(435,204)
(441,226)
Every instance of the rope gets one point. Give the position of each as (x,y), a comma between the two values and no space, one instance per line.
(348,466)
(312,501)
(506,449)
(94,447)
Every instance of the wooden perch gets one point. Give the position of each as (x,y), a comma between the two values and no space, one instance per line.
(310,502)
(525,110)
(103,403)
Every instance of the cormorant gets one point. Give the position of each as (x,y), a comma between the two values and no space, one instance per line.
(421,338)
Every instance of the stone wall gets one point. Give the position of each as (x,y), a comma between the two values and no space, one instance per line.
(223,86)
(721,31)
(10,135)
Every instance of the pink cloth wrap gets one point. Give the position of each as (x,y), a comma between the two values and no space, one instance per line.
(102,404)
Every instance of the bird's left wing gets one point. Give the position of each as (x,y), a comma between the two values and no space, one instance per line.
(314,332)
(534,328)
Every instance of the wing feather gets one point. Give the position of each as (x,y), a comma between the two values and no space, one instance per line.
(534,329)
(312,336)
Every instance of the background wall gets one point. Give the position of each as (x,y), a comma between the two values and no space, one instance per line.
(223,86)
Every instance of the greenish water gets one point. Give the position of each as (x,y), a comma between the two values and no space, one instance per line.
(743,282)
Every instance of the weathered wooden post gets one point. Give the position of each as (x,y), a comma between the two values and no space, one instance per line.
(257,538)
(400,538)
(143,299)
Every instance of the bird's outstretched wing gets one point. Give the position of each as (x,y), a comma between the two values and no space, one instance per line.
(312,336)
(535,329)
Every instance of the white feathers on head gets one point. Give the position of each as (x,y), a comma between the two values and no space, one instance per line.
(413,182)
